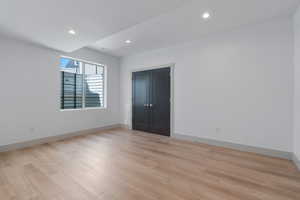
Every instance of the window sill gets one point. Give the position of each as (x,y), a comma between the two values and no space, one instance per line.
(83,109)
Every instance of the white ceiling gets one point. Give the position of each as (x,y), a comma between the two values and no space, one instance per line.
(47,22)
(186,24)
(105,24)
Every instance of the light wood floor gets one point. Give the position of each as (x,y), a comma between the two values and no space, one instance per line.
(126,165)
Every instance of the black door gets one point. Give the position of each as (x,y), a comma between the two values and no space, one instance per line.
(151,101)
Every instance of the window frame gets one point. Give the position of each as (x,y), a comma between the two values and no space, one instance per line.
(83,108)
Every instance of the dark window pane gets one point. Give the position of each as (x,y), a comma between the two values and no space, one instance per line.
(71,84)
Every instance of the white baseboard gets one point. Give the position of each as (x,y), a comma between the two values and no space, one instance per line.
(296,161)
(125,126)
(240,147)
(25,144)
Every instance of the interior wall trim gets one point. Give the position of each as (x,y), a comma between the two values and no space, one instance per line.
(125,126)
(44,140)
(240,147)
(296,161)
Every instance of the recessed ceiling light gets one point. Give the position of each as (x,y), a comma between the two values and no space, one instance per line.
(206,15)
(72,32)
(128,41)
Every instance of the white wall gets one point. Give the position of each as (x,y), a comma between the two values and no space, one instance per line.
(240,82)
(297,85)
(30,93)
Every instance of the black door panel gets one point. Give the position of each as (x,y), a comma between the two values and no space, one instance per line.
(160,101)
(141,87)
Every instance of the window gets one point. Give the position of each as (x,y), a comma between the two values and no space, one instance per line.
(82,84)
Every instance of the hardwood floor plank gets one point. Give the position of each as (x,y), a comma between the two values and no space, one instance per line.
(120,164)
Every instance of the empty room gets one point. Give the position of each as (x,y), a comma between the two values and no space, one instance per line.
(150,100)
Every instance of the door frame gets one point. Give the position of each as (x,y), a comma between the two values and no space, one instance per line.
(172,70)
